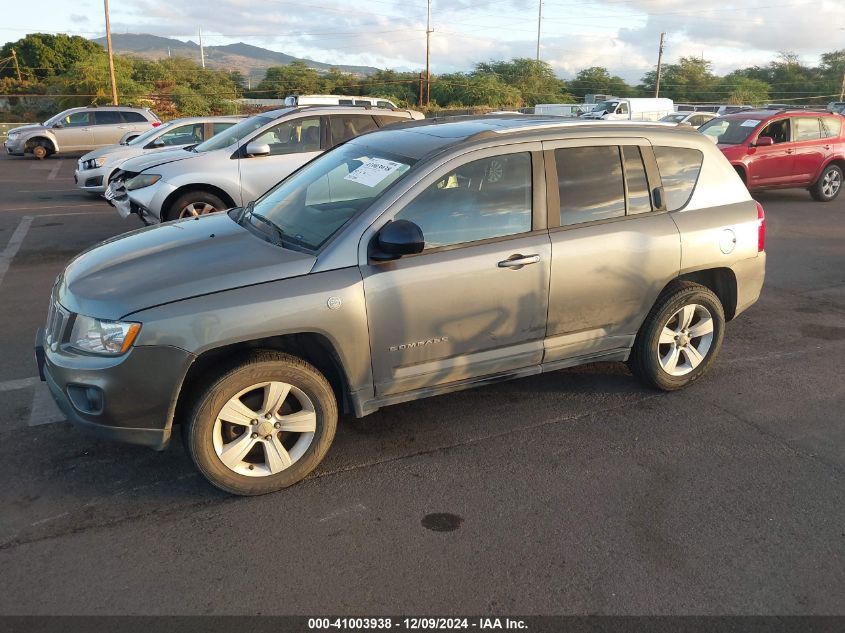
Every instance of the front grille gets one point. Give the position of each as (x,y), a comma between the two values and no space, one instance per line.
(94,182)
(58,320)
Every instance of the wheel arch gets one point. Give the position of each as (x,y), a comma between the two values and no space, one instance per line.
(722,281)
(212,189)
(41,138)
(742,172)
(311,347)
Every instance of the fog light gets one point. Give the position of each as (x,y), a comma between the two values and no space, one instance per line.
(86,398)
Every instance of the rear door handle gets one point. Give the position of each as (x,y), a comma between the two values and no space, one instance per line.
(789,151)
(518,261)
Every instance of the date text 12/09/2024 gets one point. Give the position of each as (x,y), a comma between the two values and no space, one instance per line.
(414,624)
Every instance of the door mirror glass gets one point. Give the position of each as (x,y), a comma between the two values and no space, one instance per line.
(257,149)
(158,143)
(398,238)
(765,141)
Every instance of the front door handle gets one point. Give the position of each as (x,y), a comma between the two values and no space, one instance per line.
(789,151)
(516,262)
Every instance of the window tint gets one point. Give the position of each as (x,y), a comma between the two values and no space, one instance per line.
(107,117)
(831,127)
(77,119)
(384,104)
(383,120)
(346,126)
(807,129)
(639,200)
(292,137)
(480,200)
(219,127)
(133,117)
(679,168)
(183,135)
(622,109)
(778,130)
(590,184)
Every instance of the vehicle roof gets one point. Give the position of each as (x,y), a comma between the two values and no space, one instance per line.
(768,113)
(420,139)
(207,119)
(328,109)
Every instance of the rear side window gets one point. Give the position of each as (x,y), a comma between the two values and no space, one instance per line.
(133,117)
(384,104)
(346,126)
(831,127)
(639,200)
(107,117)
(383,120)
(679,169)
(590,184)
(807,129)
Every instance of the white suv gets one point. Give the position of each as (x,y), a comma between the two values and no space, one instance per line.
(239,164)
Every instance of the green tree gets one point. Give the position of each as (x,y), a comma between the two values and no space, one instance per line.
(535,80)
(739,90)
(41,55)
(88,81)
(691,79)
(597,80)
(281,81)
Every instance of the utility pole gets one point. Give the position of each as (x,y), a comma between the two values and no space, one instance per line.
(841,90)
(659,64)
(111,55)
(539,22)
(18,68)
(420,92)
(428,56)
(202,50)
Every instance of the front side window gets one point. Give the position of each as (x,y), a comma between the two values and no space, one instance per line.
(108,117)
(234,134)
(149,134)
(679,169)
(77,119)
(480,200)
(778,131)
(315,202)
(807,129)
(347,126)
(623,108)
(183,135)
(292,137)
(590,184)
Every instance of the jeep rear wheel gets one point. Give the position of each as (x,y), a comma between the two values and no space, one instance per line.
(829,184)
(680,338)
(262,426)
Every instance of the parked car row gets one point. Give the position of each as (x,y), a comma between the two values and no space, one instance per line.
(412,260)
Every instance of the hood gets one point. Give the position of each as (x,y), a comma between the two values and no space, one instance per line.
(111,151)
(154,159)
(27,128)
(732,149)
(170,262)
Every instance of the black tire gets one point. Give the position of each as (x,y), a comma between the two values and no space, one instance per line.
(264,366)
(195,197)
(645,356)
(819,188)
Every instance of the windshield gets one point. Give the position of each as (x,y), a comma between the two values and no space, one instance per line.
(674,118)
(729,131)
(146,136)
(606,106)
(234,134)
(56,118)
(313,204)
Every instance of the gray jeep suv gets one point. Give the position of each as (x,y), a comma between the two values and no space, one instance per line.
(405,263)
(80,129)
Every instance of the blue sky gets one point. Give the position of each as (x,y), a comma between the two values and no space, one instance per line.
(621,35)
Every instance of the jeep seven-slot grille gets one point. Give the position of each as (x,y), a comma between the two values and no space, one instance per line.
(57,322)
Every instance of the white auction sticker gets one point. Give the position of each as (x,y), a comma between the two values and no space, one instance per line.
(373,171)
(750,123)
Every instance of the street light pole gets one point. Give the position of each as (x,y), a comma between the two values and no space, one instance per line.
(111,55)
(539,22)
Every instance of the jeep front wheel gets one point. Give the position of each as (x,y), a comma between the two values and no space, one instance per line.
(262,426)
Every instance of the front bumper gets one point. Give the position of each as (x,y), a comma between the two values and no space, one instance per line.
(14,147)
(93,180)
(129,398)
(146,202)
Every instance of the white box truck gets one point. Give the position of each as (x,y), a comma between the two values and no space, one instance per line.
(562,109)
(641,109)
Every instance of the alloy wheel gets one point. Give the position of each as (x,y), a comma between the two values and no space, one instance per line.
(264,429)
(196,209)
(831,182)
(685,340)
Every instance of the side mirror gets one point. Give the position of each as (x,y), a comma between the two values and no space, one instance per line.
(258,149)
(57,126)
(398,238)
(158,143)
(765,141)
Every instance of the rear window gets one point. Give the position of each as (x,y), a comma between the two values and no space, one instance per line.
(679,169)
(133,117)
(831,127)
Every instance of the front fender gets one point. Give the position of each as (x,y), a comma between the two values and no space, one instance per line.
(46,134)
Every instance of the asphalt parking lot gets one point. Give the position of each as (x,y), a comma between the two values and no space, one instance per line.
(577,491)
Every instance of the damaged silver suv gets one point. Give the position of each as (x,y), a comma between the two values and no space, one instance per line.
(405,263)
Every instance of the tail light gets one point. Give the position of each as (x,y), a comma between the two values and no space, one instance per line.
(761,228)
(156,123)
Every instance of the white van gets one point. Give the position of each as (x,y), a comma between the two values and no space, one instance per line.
(562,109)
(643,109)
(303,100)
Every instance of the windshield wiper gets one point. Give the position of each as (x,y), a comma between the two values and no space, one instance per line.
(278,233)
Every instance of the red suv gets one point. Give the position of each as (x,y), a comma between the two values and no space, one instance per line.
(781,149)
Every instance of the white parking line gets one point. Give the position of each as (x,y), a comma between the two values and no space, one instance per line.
(60,206)
(22,383)
(43,409)
(14,244)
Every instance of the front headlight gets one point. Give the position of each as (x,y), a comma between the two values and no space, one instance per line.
(93,163)
(142,180)
(12,136)
(97,336)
